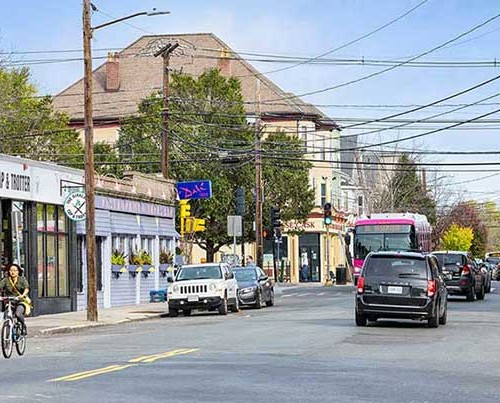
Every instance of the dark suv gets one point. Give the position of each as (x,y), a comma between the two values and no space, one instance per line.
(462,275)
(401,285)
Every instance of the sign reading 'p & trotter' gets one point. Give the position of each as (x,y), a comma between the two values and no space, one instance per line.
(16,182)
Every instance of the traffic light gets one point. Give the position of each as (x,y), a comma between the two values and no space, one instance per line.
(327,213)
(185,209)
(240,201)
(275,217)
(199,225)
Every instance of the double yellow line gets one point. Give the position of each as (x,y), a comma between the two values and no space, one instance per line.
(146,359)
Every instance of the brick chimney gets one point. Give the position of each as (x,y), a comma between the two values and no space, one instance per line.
(224,64)
(113,72)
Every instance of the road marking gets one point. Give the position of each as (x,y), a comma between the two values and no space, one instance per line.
(287,295)
(93,372)
(304,294)
(493,289)
(321,293)
(146,359)
(170,354)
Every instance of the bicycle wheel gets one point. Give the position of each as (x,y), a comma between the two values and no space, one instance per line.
(20,339)
(7,339)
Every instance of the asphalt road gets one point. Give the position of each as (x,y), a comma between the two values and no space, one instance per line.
(306,348)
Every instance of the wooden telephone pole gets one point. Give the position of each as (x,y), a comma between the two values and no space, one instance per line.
(165,52)
(92,313)
(259,249)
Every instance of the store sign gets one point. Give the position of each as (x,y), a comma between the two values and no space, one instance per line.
(74,206)
(134,207)
(194,190)
(22,179)
(14,181)
(299,226)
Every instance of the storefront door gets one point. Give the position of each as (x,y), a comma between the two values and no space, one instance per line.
(309,257)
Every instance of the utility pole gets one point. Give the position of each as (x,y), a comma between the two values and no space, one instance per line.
(258,183)
(165,52)
(92,313)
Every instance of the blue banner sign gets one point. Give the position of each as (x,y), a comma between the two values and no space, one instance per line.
(194,190)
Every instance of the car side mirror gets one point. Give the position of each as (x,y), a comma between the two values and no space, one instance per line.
(263,278)
(170,280)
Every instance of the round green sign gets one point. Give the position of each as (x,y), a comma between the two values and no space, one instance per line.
(74,206)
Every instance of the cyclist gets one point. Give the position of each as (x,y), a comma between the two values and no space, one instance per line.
(15,285)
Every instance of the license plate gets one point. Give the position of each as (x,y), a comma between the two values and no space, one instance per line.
(193,298)
(394,290)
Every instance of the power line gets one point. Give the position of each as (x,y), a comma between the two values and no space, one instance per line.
(377,73)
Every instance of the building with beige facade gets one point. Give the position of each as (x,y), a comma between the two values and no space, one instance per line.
(133,74)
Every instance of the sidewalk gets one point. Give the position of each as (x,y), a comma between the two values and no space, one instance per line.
(74,321)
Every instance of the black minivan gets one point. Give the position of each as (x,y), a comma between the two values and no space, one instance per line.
(401,285)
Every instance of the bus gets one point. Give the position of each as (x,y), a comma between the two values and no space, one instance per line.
(389,232)
(492,257)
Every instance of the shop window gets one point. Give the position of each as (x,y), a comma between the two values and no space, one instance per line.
(323,194)
(18,234)
(52,253)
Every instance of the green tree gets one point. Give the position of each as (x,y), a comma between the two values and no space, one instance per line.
(211,139)
(29,126)
(457,238)
(490,216)
(107,160)
(404,192)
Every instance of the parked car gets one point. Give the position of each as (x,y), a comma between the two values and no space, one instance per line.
(487,270)
(207,287)
(401,285)
(461,274)
(495,261)
(254,286)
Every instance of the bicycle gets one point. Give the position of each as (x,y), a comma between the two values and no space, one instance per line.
(12,330)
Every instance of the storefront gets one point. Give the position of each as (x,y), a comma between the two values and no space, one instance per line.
(36,233)
(135,239)
(314,251)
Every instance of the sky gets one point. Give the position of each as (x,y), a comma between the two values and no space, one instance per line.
(305,28)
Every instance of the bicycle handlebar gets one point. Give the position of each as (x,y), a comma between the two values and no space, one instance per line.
(13,299)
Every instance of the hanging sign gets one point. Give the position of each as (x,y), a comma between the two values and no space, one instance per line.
(74,206)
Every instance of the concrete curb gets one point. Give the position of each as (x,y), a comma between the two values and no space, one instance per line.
(77,328)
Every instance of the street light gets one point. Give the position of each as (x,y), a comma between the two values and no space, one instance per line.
(89,150)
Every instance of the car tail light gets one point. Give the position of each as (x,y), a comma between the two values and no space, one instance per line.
(466,270)
(361,285)
(431,288)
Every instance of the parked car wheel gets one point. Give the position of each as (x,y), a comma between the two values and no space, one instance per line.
(481,294)
(433,321)
(471,295)
(360,319)
(173,313)
(443,319)
(186,312)
(236,306)
(258,301)
(223,307)
(271,299)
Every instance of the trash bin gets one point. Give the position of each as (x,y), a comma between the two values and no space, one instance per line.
(157,295)
(341,275)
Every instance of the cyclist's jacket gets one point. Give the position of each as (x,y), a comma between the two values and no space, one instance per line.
(6,286)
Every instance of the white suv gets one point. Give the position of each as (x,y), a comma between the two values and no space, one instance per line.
(207,287)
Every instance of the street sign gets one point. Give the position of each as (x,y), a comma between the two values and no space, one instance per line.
(74,206)
(234,225)
(194,190)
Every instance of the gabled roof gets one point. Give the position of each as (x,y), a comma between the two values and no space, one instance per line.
(141,74)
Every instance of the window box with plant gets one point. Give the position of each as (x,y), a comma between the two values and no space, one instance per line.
(118,263)
(140,262)
(166,262)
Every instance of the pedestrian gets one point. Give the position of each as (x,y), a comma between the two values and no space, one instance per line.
(16,285)
(250,261)
(304,266)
